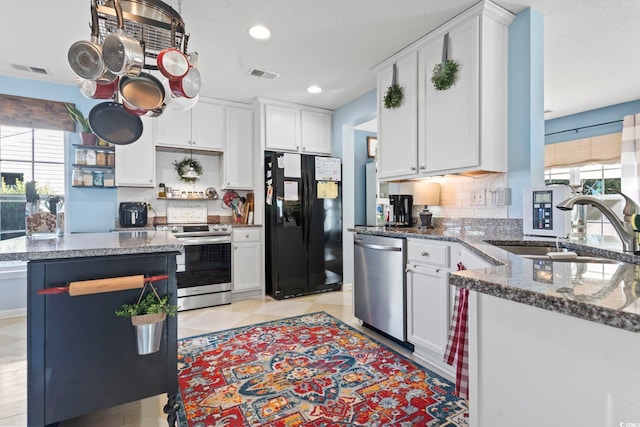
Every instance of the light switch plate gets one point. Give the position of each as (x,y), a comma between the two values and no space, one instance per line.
(477,198)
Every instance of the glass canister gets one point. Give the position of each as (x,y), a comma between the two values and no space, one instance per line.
(101,158)
(81,156)
(111,158)
(88,179)
(91,158)
(109,179)
(77,178)
(98,179)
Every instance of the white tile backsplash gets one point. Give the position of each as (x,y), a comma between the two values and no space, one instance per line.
(455,197)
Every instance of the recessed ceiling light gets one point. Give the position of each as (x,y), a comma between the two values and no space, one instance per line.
(259,32)
(314,89)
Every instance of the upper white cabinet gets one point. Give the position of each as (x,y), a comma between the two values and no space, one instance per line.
(463,128)
(239,154)
(200,128)
(282,128)
(136,163)
(398,127)
(316,132)
(296,128)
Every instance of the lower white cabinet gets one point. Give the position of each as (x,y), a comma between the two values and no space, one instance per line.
(430,298)
(246,259)
(136,162)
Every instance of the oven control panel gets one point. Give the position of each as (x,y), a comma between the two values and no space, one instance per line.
(197,229)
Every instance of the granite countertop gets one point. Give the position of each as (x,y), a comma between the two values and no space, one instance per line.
(606,293)
(89,245)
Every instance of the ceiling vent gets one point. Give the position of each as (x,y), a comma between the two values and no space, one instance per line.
(269,75)
(27,68)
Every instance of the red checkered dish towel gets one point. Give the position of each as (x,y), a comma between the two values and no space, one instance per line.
(457,346)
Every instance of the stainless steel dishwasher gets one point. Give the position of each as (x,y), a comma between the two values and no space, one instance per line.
(380,286)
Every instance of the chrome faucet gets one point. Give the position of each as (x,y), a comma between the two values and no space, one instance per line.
(624,229)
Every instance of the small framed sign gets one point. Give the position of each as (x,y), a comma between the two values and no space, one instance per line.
(372,146)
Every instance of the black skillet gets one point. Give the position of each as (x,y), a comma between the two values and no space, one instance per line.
(112,123)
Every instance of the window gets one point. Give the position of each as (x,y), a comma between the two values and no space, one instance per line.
(598,180)
(27,154)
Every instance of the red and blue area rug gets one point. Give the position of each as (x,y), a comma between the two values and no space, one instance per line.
(310,370)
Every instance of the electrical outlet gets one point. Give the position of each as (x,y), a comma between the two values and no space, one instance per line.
(477,198)
(500,196)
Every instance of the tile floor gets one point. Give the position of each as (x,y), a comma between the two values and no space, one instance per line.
(148,412)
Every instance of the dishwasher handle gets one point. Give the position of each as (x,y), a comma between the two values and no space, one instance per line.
(359,242)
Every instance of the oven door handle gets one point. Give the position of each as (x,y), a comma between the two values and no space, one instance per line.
(192,241)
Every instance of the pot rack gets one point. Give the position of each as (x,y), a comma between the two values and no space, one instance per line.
(154,23)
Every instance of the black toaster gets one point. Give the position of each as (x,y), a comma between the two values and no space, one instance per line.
(133,214)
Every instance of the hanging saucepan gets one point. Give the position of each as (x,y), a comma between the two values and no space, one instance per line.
(85,58)
(177,102)
(133,110)
(112,123)
(144,92)
(188,86)
(95,89)
(172,63)
(123,55)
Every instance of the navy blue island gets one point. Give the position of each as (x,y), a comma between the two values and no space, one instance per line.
(81,357)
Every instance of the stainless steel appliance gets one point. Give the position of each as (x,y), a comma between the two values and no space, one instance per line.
(401,206)
(540,215)
(204,267)
(379,286)
(303,227)
(133,214)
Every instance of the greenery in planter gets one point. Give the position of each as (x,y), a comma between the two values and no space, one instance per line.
(183,166)
(394,96)
(444,74)
(79,118)
(148,305)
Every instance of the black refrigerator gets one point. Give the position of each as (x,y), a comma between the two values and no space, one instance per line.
(303,220)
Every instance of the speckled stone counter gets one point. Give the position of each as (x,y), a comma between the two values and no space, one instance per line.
(89,245)
(605,293)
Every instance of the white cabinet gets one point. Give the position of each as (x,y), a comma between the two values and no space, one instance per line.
(136,162)
(463,128)
(246,259)
(292,128)
(239,154)
(200,128)
(428,299)
(316,132)
(450,119)
(282,128)
(398,127)
(428,310)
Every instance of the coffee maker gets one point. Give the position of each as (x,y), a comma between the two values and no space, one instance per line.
(401,206)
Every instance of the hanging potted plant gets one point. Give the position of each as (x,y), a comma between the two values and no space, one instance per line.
(87,135)
(148,316)
(393,97)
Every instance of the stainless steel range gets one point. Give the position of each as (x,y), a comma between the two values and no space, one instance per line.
(204,267)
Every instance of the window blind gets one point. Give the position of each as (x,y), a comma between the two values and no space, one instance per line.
(603,149)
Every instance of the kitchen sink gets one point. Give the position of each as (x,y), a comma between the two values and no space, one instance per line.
(541,253)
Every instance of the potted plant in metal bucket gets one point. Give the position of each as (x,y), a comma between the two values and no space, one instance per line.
(148,316)
(87,135)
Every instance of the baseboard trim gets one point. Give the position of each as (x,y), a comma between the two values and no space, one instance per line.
(347,286)
(16,312)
